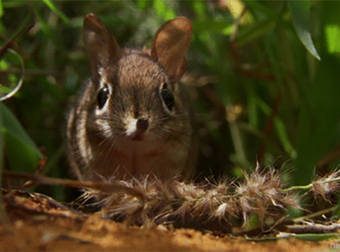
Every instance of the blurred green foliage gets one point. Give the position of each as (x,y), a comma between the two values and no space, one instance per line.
(260,91)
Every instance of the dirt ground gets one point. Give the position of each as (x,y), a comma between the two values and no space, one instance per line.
(38,224)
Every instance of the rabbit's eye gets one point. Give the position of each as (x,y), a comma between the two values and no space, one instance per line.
(167,97)
(102,97)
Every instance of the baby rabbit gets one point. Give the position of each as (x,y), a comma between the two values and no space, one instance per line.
(132,119)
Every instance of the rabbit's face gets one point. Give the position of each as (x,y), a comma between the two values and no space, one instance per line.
(135,101)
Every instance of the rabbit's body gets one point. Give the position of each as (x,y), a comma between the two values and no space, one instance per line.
(132,118)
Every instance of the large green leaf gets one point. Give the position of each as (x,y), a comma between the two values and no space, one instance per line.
(318,131)
(300,11)
(21,151)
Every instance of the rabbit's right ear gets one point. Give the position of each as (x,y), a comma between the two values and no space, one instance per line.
(170,45)
(101,46)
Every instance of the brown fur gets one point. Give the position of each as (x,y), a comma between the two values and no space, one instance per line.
(98,145)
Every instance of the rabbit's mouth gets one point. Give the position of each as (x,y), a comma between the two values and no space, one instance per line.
(137,136)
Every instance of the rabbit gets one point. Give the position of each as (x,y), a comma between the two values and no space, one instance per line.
(132,118)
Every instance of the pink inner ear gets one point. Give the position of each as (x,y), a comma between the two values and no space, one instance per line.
(171,43)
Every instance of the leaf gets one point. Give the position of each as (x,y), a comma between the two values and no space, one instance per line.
(252,223)
(1,9)
(163,9)
(300,14)
(318,129)
(333,38)
(142,4)
(255,31)
(306,237)
(279,127)
(316,237)
(54,9)
(20,149)
(4,90)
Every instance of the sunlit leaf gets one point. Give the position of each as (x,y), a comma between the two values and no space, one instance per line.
(333,38)
(163,10)
(199,8)
(238,9)
(300,13)
(1,9)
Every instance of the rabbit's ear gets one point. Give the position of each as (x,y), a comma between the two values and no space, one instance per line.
(101,46)
(170,45)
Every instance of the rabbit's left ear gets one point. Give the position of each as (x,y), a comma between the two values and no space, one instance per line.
(170,45)
(101,46)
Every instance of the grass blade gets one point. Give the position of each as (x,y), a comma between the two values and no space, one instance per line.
(300,14)
(54,9)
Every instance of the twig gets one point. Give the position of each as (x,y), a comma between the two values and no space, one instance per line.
(312,215)
(313,228)
(309,186)
(278,222)
(22,30)
(103,187)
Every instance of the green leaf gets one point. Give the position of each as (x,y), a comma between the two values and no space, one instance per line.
(1,9)
(20,149)
(279,127)
(253,222)
(142,4)
(318,130)
(316,237)
(54,9)
(4,90)
(300,12)
(306,237)
(163,10)
(256,31)
(333,38)
(283,135)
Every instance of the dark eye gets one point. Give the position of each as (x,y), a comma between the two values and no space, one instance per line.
(103,95)
(167,97)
